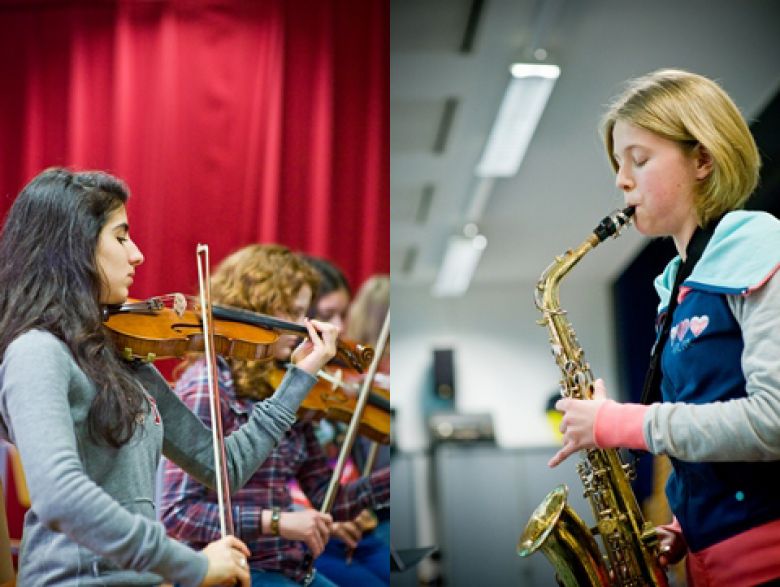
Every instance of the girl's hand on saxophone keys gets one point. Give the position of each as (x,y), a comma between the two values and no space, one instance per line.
(672,544)
(578,422)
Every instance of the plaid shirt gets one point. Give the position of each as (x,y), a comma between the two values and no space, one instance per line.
(189,510)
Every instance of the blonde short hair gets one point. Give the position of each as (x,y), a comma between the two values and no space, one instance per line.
(693,110)
(368,309)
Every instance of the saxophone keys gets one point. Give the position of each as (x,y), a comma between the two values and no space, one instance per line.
(607,526)
(582,380)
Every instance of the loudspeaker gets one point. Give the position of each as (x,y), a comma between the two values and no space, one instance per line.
(443,373)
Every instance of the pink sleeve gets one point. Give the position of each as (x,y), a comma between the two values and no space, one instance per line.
(620,426)
(673,526)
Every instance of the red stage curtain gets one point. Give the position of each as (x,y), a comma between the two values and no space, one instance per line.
(231,121)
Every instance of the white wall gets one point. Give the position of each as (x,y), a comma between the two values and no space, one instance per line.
(503,363)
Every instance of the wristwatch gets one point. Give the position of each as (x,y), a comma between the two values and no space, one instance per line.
(276,515)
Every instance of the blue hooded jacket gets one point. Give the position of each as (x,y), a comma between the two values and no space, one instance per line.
(701,363)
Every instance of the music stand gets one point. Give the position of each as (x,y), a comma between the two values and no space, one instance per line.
(405,559)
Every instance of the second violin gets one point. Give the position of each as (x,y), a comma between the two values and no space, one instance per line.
(334,397)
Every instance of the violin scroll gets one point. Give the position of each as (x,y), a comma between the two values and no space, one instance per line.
(356,356)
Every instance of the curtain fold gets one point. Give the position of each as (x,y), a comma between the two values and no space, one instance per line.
(231,121)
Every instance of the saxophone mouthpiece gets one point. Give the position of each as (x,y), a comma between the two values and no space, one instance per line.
(614,224)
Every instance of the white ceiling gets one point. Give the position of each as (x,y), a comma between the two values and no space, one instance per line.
(564,186)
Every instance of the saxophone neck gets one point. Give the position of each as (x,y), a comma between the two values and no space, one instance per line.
(611,225)
(546,295)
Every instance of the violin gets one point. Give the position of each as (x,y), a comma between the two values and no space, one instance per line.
(335,398)
(170,326)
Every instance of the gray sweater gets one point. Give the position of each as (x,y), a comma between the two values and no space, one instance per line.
(92,519)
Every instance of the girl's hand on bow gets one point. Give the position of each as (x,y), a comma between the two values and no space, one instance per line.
(315,352)
(577,424)
(227,563)
(309,526)
(348,532)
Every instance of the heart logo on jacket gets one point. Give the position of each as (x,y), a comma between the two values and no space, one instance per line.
(698,324)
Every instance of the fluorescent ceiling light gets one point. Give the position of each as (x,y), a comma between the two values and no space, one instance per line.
(520,70)
(520,111)
(460,262)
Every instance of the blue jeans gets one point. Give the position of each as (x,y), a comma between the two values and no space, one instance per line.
(382,533)
(262,578)
(370,565)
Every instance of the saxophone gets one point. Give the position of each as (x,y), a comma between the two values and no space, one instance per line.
(630,543)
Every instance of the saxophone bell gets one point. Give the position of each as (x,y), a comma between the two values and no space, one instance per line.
(556,530)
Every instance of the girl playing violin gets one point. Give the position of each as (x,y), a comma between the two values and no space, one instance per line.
(271,280)
(369,562)
(89,426)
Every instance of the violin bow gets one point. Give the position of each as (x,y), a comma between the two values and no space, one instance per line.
(368,466)
(351,435)
(222,482)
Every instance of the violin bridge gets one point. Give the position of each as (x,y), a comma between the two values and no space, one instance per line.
(336,382)
(179,304)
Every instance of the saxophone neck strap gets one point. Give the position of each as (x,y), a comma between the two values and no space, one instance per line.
(651,391)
